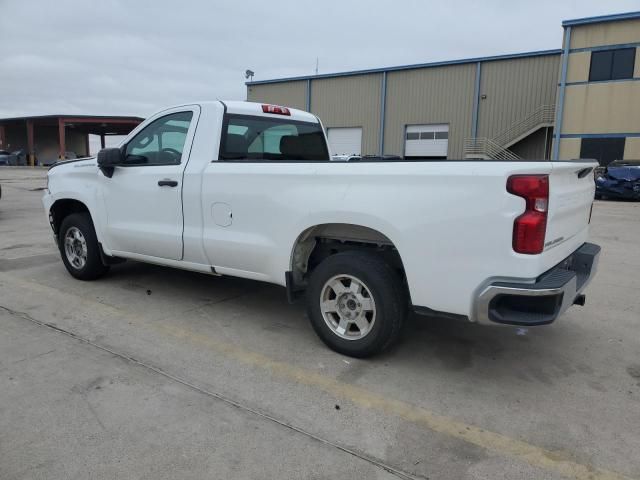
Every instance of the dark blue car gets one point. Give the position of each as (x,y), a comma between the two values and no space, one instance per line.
(621,179)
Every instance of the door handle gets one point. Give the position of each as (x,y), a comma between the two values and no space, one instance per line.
(167,183)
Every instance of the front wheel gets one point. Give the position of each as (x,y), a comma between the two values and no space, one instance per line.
(356,303)
(79,247)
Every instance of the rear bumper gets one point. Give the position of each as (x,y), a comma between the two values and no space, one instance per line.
(542,301)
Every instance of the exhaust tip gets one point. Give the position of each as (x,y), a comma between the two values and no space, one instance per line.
(580,300)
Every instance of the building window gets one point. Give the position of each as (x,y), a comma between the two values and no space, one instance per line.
(605,150)
(413,136)
(612,64)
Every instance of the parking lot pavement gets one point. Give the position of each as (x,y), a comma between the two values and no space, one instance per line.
(158,373)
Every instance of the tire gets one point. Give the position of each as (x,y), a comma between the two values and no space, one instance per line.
(78,235)
(379,304)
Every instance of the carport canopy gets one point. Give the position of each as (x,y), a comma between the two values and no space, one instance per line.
(101,125)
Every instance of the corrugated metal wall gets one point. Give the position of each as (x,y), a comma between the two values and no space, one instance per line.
(514,89)
(430,95)
(607,107)
(289,94)
(533,146)
(350,102)
(609,33)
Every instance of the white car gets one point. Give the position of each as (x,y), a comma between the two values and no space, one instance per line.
(249,190)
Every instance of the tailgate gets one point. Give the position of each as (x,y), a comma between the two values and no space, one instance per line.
(571,190)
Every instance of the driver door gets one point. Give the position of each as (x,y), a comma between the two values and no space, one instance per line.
(143,198)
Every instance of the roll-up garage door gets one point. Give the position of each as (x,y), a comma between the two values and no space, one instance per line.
(345,141)
(426,141)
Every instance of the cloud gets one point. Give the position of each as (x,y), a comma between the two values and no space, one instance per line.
(131,58)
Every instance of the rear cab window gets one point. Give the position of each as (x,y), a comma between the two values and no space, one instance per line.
(256,138)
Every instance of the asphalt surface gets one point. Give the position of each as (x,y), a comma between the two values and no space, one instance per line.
(158,373)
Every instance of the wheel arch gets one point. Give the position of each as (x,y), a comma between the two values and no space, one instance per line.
(62,208)
(317,242)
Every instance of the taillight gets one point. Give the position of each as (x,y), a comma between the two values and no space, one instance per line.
(275,109)
(529,229)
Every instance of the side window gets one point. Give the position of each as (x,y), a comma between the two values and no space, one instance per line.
(161,142)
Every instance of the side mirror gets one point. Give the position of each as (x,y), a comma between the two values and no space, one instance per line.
(108,158)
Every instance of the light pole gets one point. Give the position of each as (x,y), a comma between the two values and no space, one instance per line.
(248,74)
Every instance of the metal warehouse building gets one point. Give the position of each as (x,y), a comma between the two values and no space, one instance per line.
(581,100)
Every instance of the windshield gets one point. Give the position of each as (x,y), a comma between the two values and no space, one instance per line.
(271,139)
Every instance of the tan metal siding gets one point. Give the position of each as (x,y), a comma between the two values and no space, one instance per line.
(609,33)
(632,148)
(578,68)
(514,89)
(609,107)
(569,148)
(350,102)
(428,96)
(533,146)
(288,94)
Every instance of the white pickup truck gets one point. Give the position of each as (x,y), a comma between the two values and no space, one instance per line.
(248,190)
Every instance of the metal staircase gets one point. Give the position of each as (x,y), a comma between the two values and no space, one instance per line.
(487,149)
(497,148)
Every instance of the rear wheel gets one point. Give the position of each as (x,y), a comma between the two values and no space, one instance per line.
(356,303)
(79,247)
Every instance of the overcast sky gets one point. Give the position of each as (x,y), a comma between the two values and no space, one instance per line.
(133,57)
